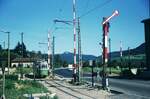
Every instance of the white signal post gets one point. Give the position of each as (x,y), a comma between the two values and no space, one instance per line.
(105,25)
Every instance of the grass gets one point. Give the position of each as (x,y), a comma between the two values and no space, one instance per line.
(24,70)
(133,58)
(14,89)
(113,70)
(87,69)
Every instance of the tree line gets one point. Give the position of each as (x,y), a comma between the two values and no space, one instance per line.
(20,51)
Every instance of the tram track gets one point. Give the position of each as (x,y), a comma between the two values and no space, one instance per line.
(68,90)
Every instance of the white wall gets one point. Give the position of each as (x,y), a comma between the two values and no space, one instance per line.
(24,64)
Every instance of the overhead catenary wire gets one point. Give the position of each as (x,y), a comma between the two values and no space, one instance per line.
(95,8)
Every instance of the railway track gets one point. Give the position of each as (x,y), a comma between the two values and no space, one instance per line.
(73,92)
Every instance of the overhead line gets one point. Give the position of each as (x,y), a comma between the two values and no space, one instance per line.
(97,7)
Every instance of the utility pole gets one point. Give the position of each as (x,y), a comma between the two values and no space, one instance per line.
(105,25)
(49,64)
(53,55)
(129,60)
(109,55)
(8,51)
(121,55)
(22,52)
(92,67)
(74,30)
(92,74)
(3,71)
(101,45)
(79,52)
(3,96)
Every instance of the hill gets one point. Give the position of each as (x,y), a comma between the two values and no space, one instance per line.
(135,51)
(68,56)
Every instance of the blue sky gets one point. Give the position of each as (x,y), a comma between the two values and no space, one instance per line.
(35,17)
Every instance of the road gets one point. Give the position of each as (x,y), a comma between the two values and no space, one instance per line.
(139,88)
(67,73)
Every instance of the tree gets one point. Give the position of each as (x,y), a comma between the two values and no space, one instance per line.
(17,49)
(86,64)
(65,64)
(23,47)
(58,61)
(39,54)
(32,54)
(114,63)
(20,49)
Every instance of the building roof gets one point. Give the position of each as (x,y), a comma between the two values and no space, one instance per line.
(146,21)
(23,60)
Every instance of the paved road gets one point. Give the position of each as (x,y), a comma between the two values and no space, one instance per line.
(138,88)
(67,73)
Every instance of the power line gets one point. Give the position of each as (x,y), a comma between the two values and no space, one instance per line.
(97,7)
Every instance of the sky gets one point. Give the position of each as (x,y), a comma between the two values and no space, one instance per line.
(35,18)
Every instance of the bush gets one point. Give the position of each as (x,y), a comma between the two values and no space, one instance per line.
(11,77)
(9,84)
(127,73)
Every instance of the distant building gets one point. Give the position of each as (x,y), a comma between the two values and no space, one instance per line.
(27,62)
(147,41)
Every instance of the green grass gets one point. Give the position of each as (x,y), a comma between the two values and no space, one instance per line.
(113,70)
(14,89)
(24,70)
(86,69)
(140,57)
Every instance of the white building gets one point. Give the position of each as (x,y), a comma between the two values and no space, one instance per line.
(27,62)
